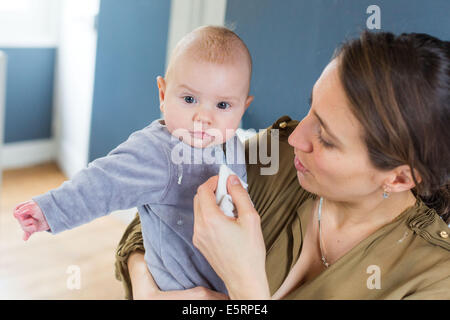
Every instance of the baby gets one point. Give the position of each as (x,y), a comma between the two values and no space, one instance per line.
(203,97)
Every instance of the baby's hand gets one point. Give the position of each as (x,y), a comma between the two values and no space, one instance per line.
(31,218)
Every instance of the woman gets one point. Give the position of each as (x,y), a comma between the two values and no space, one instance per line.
(369,217)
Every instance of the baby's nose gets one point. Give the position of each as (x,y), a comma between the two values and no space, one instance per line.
(203,116)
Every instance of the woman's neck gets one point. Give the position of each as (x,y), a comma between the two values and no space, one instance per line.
(373,210)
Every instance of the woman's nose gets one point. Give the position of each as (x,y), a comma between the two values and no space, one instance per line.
(300,139)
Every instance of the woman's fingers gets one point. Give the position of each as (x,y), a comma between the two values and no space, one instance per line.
(209,185)
(222,239)
(206,212)
(206,196)
(240,196)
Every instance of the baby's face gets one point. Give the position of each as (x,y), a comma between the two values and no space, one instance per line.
(203,102)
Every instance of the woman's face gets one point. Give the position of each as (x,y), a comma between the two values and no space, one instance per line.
(331,157)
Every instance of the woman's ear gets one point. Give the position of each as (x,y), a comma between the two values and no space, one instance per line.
(248,101)
(162,90)
(402,179)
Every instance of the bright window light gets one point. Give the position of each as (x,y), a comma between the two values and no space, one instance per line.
(14,5)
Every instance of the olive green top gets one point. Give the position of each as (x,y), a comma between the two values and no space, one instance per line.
(405,259)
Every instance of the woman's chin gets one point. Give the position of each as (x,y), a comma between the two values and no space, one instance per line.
(302,175)
(303,180)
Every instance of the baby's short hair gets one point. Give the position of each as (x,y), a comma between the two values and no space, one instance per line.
(214,44)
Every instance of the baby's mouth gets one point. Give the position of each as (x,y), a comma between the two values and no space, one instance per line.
(202,135)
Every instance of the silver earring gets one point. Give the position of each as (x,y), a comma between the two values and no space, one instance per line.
(385,193)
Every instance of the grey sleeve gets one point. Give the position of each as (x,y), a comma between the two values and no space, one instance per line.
(135,173)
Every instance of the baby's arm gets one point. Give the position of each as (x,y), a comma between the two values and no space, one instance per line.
(134,173)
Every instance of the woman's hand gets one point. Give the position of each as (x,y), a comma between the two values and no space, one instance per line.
(145,288)
(233,246)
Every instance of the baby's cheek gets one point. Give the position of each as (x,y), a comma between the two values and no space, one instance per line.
(228,134)
(174,129)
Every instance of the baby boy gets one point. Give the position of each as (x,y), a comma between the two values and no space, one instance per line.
(203,97)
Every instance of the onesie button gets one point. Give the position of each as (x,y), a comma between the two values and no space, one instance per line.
(180,222)
(444,234)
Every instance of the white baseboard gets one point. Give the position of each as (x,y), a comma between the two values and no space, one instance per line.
(27,153)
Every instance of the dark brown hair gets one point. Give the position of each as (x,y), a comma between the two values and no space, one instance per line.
(399,89)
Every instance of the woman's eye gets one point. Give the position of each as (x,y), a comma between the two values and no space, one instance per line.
(323,142)
(189,99)
(223,105)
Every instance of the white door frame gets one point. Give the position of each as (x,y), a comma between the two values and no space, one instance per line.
(3,60)
(186,15)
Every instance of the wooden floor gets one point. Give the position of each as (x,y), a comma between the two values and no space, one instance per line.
(41,267)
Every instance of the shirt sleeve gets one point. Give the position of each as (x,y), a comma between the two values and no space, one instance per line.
(135,173)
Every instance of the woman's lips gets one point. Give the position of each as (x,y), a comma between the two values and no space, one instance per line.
(299,166)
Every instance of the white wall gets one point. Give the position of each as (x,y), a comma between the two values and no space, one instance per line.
(67,25)
(29,23)
(74,83)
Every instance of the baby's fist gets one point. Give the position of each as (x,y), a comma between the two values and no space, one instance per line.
(31,218)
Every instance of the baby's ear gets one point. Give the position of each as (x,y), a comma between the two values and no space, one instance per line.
(162,89)
(248,101)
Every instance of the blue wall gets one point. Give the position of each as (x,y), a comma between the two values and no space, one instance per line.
(131,53)
(291,41)
(29,93)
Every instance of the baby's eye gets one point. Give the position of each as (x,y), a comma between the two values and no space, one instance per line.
(189,99)
(223,105)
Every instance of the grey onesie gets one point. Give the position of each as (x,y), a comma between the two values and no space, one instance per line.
(150,171)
